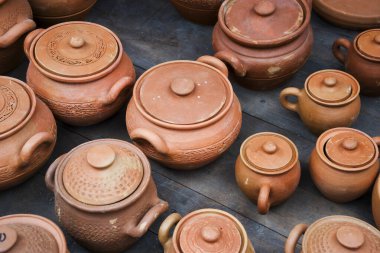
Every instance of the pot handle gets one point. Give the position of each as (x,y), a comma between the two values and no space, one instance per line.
(233,61)
(263,202)
(294,236)
(336,48)
(285,93)
(50,173)
(214,62)
(122,84)
(13,34)
(154,139)
(29,39)
(377,141)
(166,226)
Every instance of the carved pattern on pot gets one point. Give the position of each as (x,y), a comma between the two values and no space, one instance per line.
(10,103)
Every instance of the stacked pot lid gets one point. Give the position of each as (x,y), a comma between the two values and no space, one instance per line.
(368,43)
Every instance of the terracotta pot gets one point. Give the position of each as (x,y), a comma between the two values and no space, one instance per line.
(330,99)
(204,230)
(80,70)
(267,169)
(201,122)
(362,59)
(335,234)
(15,22)
(376,199)
(344,163)
(51,12)
(105,195)
(264,41)
(30,233)
(27,132)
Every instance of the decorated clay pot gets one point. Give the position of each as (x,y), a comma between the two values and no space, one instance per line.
(376,199)
(362,59)
(15,22)
(105,196)
(267,169)
(330,99)
(27,132)
(344,163)
(264,41)
(80,70)
(204,230)
(184,114)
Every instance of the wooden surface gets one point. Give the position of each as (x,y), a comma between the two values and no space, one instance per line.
(153,32)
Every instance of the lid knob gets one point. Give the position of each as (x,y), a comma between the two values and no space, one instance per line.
(101,156)
(377,39)
(270,147)
(210,234)
(265,8)
(350,237)
(330,81)
(350,144)
(182,86)
(77,42)
(8,238)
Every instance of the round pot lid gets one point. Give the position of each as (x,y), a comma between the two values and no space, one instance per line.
(368,43)
(76,49)
(102,173)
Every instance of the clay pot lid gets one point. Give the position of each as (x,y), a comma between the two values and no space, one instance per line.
(368,43)
(341,234)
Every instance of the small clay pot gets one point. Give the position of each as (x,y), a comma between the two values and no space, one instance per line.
(105,195)
(362,59)
(344,163)
(27,132)
(184,114)
(267,169)
(376,199)
(204,230)
(330,99)
(15,21)
(80,70)
(264,41)
(335,234)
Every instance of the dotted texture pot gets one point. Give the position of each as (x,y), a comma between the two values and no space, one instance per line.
(376,199)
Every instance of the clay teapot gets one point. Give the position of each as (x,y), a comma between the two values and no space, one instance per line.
(15,21)
(204,230)
(264,41)
(362,59)
(80,70)
(330,99)
(27,132)
(105,195)
(376,199)
(184,114)
(344,163)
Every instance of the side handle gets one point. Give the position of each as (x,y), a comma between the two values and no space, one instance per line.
(215,62)
(337,49)
(233,61)
(29,39)
(291,91)
(377,141)
(154,139)
(166,226)
(263,202)
(122,84)
(294,236)
(50,173)
(18,30)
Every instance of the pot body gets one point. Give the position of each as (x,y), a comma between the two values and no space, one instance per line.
(376,202)
(203,12)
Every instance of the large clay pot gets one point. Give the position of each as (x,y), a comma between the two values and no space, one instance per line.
(27,132)
(362,59)
(376,200)
(15,22)
(335,234)
(105,195)
(80,70)
(184,114)
(264,41)
(330,99)
(267,169)
(344,163)
(204,230)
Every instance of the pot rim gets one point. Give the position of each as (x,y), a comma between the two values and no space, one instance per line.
(357,50)
(66,16)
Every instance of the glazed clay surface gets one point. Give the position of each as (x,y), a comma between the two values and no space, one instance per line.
(376,201)
(199,11)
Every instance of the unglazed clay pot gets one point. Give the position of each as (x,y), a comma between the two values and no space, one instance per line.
(264,41)
(376,199)
(204,230)
(80,70)
(330,99)
(335,234)
(27,132)
(344,163)
(184,114)
(30,233)
(105,196)
(362,59)
(15,22)
(267,169)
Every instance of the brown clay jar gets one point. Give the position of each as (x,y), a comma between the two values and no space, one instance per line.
(344,163)
(376,200)
(15,21)
(204,230)
(335,234)
(330,99)
(268,170)
(264,41)
(80,70)
(27,132)
(105,195)
(184,114)
(362,59)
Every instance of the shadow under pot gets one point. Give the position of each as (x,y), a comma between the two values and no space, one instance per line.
(184,114)
(267,169)
(330,99)
(27,132)
(264,41)
(335,234)
(344,163)
(80,70)
(376,199)
(105,195)
(204,230)
(362,59)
